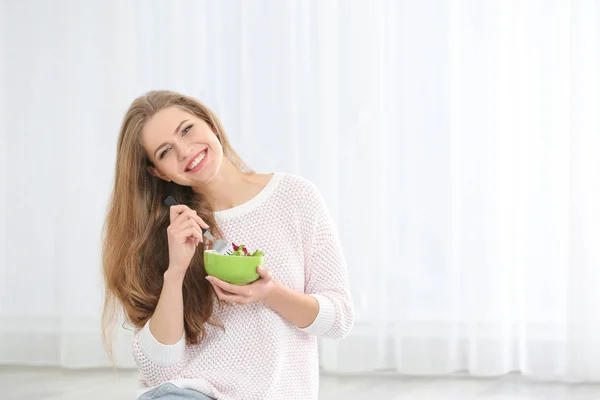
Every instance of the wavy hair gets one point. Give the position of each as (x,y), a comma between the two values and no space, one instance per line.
(135,248)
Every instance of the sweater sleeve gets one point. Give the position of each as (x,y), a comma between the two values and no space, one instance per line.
(326,275)
(157,362)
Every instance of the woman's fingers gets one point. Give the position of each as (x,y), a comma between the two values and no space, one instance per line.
(176,211)
(264,273)
(243,291)
(227,296)
(199,220)
(193,232)
(183,212)
(188,219)
(187,224)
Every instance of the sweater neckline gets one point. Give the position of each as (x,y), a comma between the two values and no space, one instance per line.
(252,204)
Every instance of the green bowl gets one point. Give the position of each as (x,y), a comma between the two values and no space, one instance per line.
(237,270)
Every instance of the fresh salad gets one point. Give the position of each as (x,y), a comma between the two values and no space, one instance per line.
(241,250)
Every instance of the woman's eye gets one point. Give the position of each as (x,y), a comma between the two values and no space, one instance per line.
(162,154)
(183,132)
(186,129)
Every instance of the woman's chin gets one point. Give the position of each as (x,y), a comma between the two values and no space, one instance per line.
(203,177)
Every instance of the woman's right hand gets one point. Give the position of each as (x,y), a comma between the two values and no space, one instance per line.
(184,235)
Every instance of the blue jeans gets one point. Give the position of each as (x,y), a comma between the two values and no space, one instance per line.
(168,391)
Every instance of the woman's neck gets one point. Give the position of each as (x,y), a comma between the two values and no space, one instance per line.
(230,187)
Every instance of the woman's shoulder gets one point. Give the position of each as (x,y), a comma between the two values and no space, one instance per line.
(298,194)
(296,185)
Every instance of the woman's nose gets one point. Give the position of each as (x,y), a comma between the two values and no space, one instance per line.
(183,153)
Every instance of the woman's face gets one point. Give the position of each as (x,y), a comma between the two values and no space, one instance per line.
(182,147)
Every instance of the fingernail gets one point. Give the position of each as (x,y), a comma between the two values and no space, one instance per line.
(208,278)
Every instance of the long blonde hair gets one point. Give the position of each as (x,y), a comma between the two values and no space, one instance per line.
(135,248)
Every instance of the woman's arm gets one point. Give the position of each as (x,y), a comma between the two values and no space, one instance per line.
(166,324)
(325,308)
(159,347)
(325,272)
(298,308)
(184,234)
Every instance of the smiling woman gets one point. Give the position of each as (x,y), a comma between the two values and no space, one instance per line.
(193,140)
(195,333)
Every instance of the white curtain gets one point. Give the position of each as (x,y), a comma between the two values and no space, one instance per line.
(456,143)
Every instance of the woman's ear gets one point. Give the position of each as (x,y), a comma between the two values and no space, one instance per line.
(155,172)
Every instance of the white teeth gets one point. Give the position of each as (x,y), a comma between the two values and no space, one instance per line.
(195,163)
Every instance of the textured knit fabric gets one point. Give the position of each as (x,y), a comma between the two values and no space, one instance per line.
(168,391)
(259,354)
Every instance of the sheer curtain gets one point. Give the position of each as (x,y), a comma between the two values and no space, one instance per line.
(456,144)
(483,194)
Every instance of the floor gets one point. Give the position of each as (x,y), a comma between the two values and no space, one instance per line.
(53,384)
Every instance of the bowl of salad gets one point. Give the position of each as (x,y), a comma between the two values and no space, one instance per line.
(238,268)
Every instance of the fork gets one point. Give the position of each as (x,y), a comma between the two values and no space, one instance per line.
(219,245)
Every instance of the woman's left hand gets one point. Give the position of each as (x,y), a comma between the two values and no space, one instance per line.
(256,291)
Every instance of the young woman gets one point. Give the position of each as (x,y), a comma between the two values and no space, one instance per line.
(198,337)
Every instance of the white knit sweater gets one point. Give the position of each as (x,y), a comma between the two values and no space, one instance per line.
(260,355)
